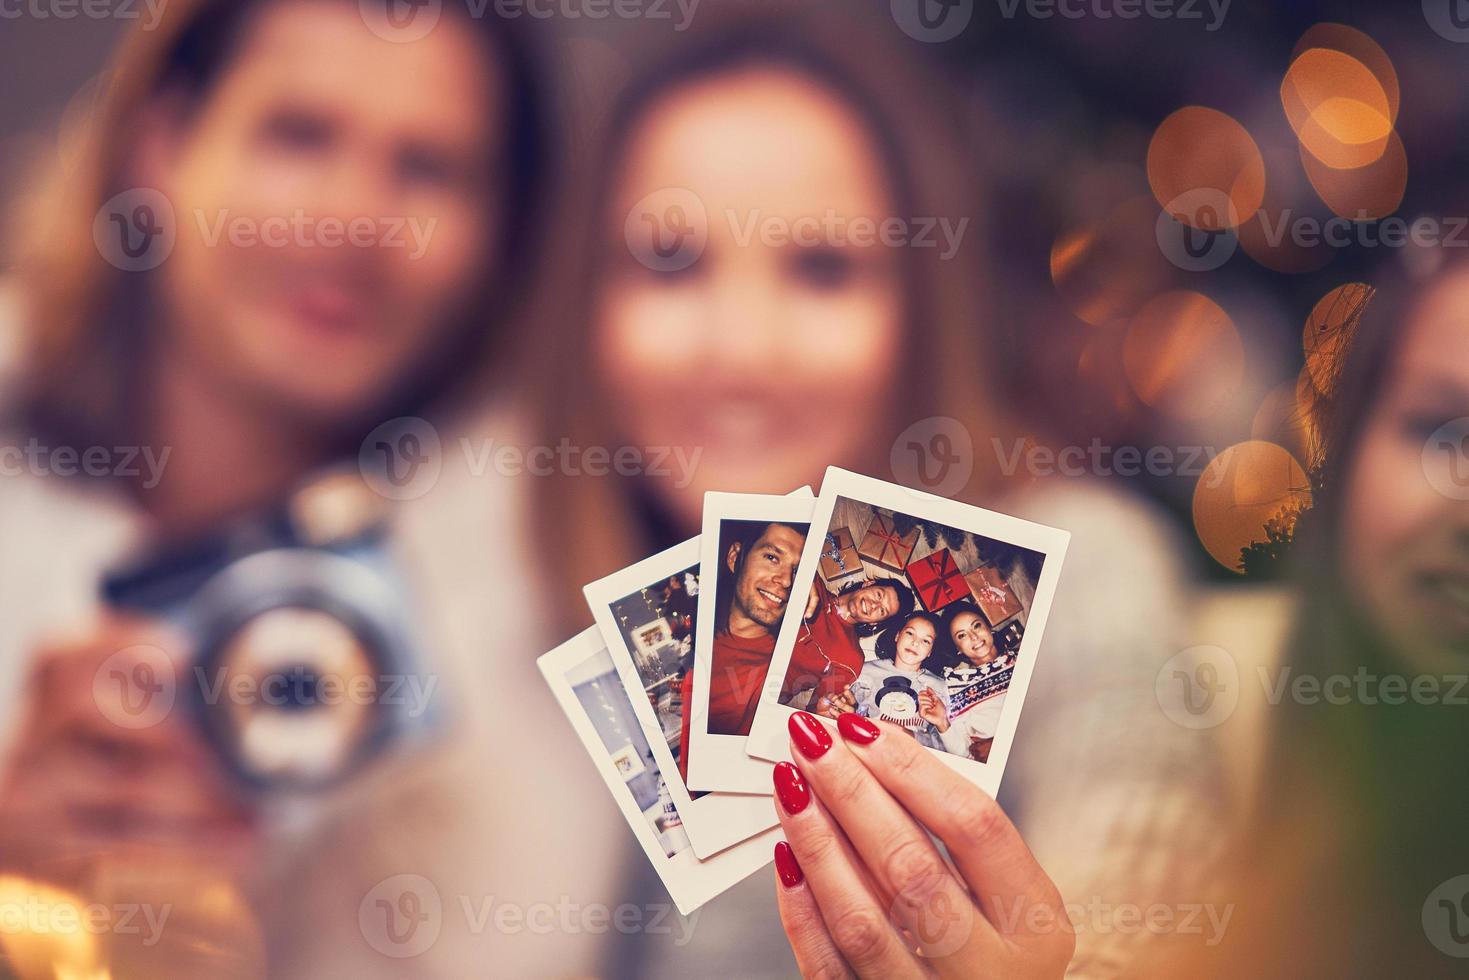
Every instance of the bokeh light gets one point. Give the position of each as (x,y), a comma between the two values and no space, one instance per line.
(1248,493)
(1183,355)
(1200,156)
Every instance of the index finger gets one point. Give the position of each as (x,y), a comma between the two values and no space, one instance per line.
(990,853)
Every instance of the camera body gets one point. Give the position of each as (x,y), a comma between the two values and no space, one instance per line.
(305,666)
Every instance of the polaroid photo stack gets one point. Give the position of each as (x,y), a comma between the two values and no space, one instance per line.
(899,605)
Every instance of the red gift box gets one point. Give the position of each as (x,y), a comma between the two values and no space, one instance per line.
(993,594)
(937,581)
(839,559)
(882,545)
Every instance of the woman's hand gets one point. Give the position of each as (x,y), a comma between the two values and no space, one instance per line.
(863,890)
(835,705)
(107,761)
(931,710)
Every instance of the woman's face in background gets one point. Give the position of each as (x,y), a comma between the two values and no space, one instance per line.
(332,205)
(771,351)
(1405,534)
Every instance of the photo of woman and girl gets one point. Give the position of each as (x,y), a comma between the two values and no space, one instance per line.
(936,668)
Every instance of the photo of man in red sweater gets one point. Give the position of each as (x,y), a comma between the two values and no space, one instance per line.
(758,562)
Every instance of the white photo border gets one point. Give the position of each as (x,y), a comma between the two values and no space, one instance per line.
(690,882)
(721,762)
(716,820)
(769,738)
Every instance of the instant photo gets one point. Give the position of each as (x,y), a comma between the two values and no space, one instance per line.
(915,610)
(647,614)
(752,545)
(590,690)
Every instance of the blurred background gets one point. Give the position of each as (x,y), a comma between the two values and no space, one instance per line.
(1173,213)
(1085,127)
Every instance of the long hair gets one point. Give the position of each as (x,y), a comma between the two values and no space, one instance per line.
(1360,813)
(592,526)
(85,322)
(886,647)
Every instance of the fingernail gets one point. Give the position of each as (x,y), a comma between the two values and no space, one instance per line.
(786,866)
(791,788)
(810,735)
(855,728)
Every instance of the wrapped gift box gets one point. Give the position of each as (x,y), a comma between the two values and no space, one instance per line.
(839,559)
(883,545)
(937,581)
(993,594)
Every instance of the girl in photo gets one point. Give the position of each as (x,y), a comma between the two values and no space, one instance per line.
(896,688)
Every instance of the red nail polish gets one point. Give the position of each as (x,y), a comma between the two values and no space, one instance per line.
(786,866)
(855,728)
(791,788)
(810,735)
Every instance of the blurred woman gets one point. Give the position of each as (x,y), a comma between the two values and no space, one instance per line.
(735,307)
(290,222)
(1353,864)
